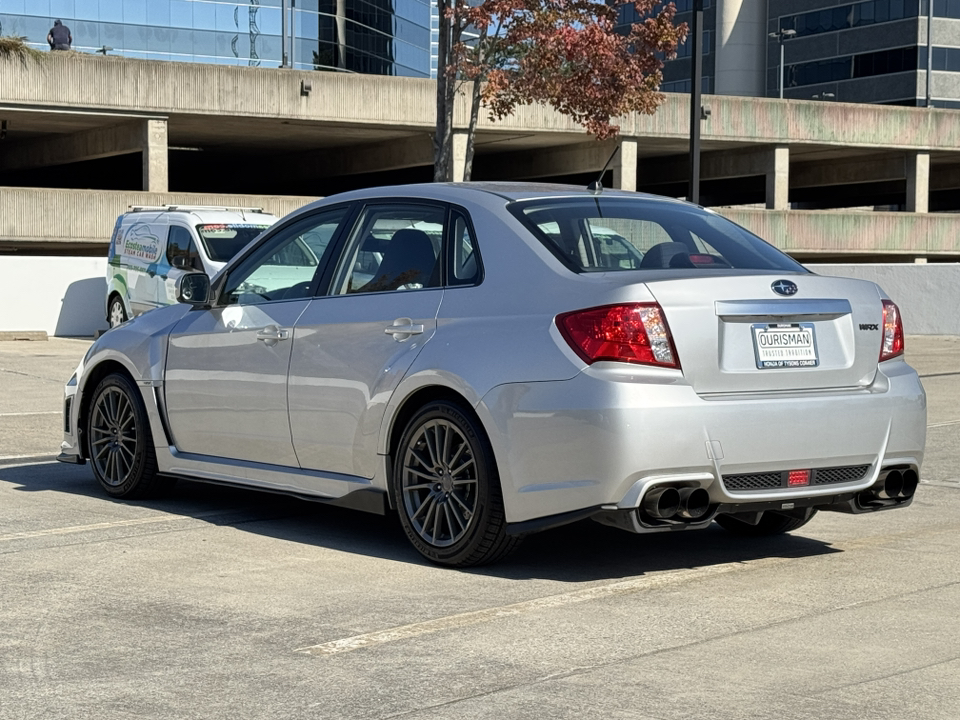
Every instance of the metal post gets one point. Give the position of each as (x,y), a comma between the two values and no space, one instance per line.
(696,109)
(781,67)
(293,33)
(283,33)
(929,52)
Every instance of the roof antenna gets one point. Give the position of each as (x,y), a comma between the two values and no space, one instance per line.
(596,186)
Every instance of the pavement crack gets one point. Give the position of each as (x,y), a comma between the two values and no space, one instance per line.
(29,375)
(898,673)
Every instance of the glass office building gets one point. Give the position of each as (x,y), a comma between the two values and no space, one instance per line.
(385,37)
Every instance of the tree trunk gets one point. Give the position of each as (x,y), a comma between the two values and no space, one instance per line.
(472,129)
(443,137)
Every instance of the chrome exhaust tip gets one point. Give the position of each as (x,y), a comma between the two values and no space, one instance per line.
(891,487)
(694,503)
(909,484)
(662,503)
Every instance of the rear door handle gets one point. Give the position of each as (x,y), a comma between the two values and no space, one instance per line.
(271,335)
(403,329)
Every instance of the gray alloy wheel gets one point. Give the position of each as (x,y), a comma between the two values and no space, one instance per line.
(118,440)
(447,488)
(117,314)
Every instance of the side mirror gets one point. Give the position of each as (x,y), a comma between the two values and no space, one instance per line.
(181,262)
(193,288)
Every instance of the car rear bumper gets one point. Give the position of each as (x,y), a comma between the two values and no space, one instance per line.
(607,436)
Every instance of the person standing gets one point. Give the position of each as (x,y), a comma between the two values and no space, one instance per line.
(59,36)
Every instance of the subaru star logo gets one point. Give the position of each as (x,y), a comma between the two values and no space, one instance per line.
(784,287)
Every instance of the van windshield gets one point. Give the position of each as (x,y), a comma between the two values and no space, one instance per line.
(224,240)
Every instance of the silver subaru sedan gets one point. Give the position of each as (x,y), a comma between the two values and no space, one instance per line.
(489,360)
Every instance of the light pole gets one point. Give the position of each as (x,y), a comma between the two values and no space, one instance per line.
(780,36)
(696,108)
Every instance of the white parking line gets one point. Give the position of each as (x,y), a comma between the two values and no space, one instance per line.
(943,424)
(95,526)
(24,414)
(460,620)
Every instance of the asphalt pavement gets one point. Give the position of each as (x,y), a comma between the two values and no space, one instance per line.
(222,603)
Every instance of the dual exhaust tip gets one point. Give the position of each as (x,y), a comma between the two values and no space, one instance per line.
(896,485)
(666,503)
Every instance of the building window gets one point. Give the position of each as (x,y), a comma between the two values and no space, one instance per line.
(884,62)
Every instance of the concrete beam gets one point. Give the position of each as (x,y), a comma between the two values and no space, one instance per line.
(93,144)
(717,165)
(563,160)
(918,182)
(848,171)
(413,151)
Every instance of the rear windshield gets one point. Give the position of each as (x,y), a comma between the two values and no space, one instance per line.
(609,234)
(223,241)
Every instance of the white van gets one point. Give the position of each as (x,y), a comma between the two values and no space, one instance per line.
(152,246)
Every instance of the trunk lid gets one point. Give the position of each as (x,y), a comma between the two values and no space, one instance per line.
(735,334)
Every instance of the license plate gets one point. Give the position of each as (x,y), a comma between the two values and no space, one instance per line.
(785,346)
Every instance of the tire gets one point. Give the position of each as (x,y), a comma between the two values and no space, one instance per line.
(119,444)
(116,315)
(447,489)
(771,523)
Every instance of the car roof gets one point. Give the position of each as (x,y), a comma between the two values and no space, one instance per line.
(195,215)
(510,191)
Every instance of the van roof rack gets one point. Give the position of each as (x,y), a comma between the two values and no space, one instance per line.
(192,208)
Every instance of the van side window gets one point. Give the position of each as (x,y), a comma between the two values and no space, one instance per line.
(180,244)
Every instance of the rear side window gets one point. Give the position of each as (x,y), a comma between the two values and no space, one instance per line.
(611,234)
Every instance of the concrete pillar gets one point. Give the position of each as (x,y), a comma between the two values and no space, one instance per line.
(459,155)
(918,182)
(625,166)
(778,178)
(155,168)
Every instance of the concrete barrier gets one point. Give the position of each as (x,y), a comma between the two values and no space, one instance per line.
(62,296)
(928,295)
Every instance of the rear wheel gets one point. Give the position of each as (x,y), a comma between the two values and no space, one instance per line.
(447,489)
(120,447)
(771,523)
(117,315)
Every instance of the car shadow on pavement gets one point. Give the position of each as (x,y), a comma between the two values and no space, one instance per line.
(582,552)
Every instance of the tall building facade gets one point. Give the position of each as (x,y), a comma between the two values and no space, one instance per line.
(385,37)
(873,51)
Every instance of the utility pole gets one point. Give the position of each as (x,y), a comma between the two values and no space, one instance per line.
(696,109)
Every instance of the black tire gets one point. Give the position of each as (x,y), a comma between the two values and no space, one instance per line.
(119,444)
(771,523)
(116,313)
(447,489)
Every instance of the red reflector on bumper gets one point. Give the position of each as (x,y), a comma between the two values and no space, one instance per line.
(798,477)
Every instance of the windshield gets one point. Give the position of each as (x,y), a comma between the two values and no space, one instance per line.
(609,234)
(223,241)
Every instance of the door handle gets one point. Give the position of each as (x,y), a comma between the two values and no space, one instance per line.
(403,329)
(271,335)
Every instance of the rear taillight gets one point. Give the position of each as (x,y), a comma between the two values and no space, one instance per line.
(634,333)
(892,331)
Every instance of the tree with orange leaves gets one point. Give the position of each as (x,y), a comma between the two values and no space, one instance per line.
(567,54)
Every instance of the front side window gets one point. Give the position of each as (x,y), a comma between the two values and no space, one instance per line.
(615,234)
(284,266)
(180,244)
(394,247)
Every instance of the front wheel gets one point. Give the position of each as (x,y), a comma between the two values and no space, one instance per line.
(771,523)
(120,447)
(117,314)
(447,489)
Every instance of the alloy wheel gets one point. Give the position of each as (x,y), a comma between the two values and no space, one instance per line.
(113,436)
(117,314)
(439,483)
